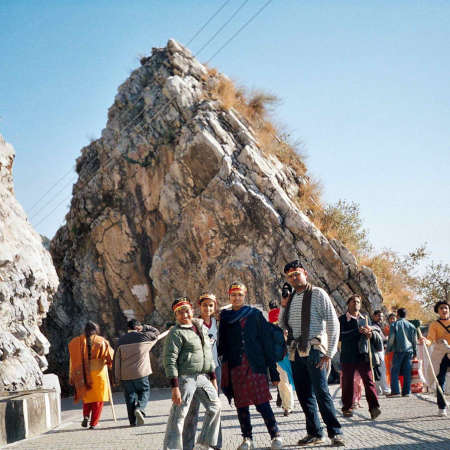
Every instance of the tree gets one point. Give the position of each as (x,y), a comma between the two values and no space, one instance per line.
(342,221)
(435,284)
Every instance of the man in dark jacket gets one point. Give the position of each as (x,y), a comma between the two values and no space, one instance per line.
(403,342)
(132,367)
(354,329)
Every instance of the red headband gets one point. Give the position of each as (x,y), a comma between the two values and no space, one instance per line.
(237,288)
(181,304)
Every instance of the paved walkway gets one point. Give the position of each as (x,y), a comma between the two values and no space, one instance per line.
(406,423)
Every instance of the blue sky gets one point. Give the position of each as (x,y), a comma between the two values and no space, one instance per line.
(364,85)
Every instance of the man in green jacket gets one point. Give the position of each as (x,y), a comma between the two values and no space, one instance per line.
(189,365)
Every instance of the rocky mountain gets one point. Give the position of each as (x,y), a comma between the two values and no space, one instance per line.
(177,197)
(27,283)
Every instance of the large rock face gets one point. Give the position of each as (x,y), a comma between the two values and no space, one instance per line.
(175,198)
(27,282)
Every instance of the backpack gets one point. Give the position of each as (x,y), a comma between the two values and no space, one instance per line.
(277,342)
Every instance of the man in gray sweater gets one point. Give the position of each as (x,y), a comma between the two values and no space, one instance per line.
(132,367)
(313,334)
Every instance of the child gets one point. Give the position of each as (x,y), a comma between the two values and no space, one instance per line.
(208,308)
(188,363)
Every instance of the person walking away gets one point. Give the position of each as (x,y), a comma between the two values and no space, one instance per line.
(353,336)
(244,346)
(313,334)
(189,365)
(132,367)
(382,384)
(439,335)
(90,355)
(392,317)
(208,309)
(403,342)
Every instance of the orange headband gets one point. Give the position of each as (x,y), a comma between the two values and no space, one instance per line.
(237,288)
(207,296)
(183,302)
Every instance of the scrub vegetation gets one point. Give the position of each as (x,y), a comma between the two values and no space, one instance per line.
(397,275)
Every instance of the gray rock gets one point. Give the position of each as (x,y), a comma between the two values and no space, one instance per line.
(181,201)
(27,282)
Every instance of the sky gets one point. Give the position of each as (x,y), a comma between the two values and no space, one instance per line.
(363,85)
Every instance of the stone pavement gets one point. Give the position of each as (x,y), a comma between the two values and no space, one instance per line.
(406,423)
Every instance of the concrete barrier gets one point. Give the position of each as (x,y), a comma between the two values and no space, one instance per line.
(29,413)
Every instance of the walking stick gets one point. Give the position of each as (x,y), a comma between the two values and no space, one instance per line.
(438,386)
(110,395)
(370,353)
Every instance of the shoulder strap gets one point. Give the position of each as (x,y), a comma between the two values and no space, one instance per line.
(446,328)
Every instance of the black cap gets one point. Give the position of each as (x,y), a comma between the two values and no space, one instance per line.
(133,324)
(293,265)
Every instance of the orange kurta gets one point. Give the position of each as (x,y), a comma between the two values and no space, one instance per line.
(437,331)
(90,377)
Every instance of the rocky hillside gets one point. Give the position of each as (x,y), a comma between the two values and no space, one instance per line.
(27,283)
(176,197)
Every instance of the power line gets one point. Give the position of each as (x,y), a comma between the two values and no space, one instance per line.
(221,28)
(50,189)
(132,106)
(61,190)
(207,23)
(240,29)
(163,107)
(194,56)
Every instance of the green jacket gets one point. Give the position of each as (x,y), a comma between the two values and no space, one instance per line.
(186,353)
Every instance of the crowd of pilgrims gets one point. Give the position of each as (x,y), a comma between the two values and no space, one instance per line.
(229,351)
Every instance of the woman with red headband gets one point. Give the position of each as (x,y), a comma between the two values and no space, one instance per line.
(189,365)
(244,346)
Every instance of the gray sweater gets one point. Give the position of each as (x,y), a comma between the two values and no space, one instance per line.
(323,320)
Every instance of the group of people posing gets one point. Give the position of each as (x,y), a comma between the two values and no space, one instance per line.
(203,356)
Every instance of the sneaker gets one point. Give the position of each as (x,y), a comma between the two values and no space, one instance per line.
(199,446)
(347,412)
(392,395)
(139,417)
(442,412)
(374,413)
(311,440)
(247,444)
(84,424)
(277,443)
(406,395)
(338,441)
(287,412)
(92,427)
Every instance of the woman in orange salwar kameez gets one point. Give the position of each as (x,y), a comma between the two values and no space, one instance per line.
(89,356)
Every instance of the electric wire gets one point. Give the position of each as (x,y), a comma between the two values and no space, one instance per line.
(208,21)
(169,102)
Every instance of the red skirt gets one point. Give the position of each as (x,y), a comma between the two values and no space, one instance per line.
(249,388)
